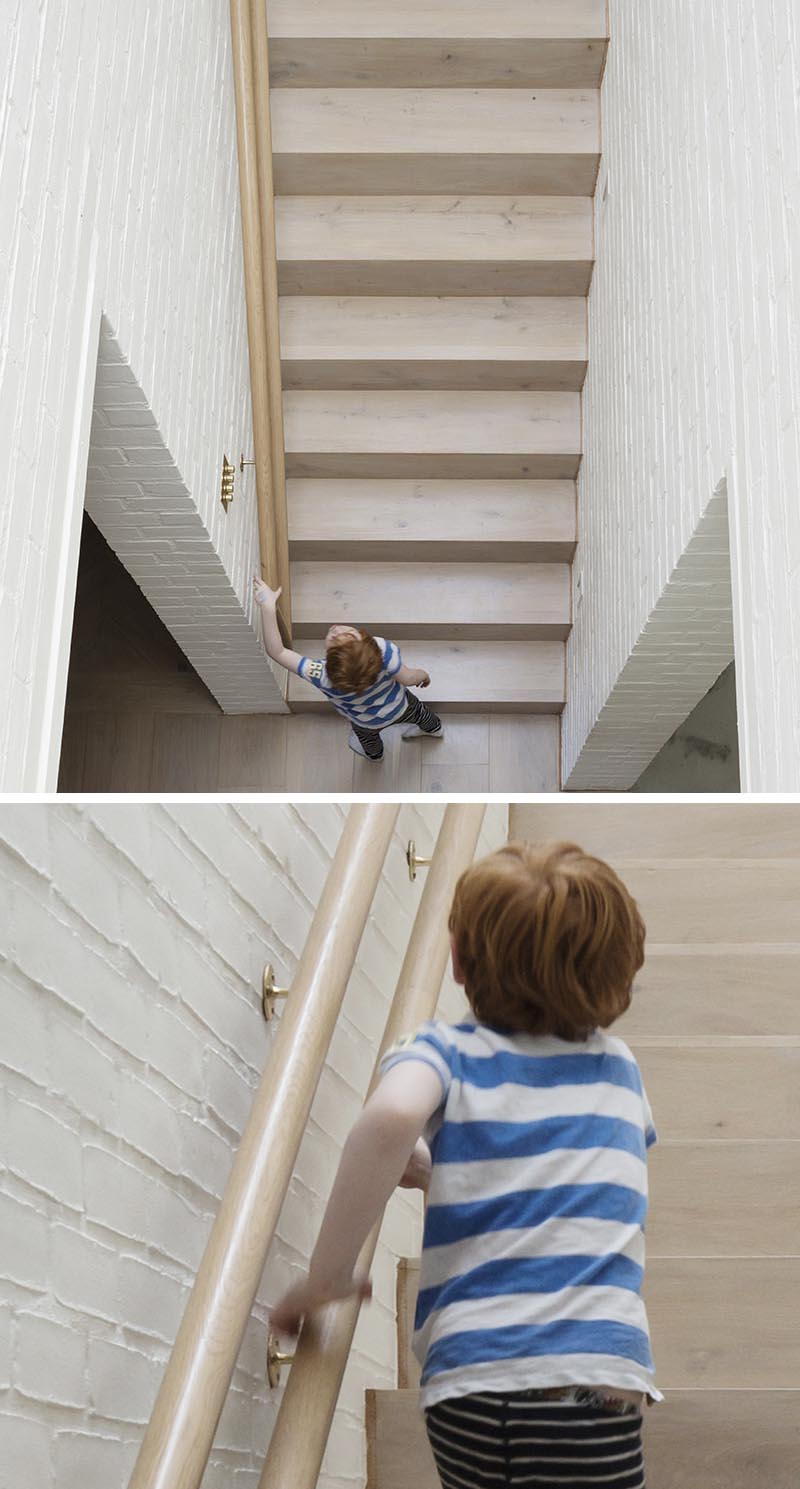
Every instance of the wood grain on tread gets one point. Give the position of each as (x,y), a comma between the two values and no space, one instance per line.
(516,521)
(702,830)
(412,245)
(707,900)
(434,599)
(386,140)
(468,676)
(442,434)
(447,19)
(459,342)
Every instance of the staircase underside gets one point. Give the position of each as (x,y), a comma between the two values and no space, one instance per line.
(434,172)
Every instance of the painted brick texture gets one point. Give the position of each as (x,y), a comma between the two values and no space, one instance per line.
(133,1040)
(119,193)
(694,372)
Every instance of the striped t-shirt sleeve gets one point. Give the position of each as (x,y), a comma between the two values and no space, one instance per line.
(650,1134)
(426,1045)
(312,670)
(392,660)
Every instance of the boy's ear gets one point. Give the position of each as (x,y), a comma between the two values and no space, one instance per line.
(458,975)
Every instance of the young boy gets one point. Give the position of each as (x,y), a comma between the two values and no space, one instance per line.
(530,1328)
(363,676)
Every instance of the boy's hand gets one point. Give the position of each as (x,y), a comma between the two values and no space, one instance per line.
(423,679)
(418,1169)
(264,595)
(305,1297)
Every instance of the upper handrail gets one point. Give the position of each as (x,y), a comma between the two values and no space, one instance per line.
(254,148)
(180,1434)
(299,1437)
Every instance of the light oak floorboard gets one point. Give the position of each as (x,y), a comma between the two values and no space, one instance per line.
(724,1199)
(119,752)
(253,753)
(524,754)
(186,752)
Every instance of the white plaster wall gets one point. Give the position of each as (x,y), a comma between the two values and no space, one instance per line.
(118,194)
(694,372)
(133,938)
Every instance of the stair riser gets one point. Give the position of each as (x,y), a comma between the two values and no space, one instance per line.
(527,376)
(451,630)
(365,277)
(422,465)
(304,174)
(447,551)
(302,62)
(512,677)
(446,706)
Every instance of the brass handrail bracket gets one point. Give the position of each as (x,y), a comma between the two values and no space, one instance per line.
(413,861)
(275,1360)
(269,992)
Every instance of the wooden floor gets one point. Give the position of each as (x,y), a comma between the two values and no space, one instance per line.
(255,752)
(139,718)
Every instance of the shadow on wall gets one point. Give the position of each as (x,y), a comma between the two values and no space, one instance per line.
(703,754)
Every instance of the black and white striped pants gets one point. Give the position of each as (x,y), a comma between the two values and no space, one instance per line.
(416,712)
(526,1441)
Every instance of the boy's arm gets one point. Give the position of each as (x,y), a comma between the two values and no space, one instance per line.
(413,677)
(374,1160)
(267,599)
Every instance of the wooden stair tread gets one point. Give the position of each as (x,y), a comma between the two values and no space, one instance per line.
(441,600)
(459,342)
(448,19)
(434,245)
(357,43)
(439,434)
(518,521)
(743,1439)
(389,140)
(509,676)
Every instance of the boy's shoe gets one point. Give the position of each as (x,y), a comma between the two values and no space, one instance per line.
(416,733)
(358,749)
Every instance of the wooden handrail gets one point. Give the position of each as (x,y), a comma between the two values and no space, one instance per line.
(178,1440)
(269,271)
(297,1445)
(254,148)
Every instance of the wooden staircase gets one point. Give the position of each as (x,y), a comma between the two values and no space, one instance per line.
(715,1026)
(434,170)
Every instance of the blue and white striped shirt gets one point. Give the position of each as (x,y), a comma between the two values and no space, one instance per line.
(533,1246)
(382,703)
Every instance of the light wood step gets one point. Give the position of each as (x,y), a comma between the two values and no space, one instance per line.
(698,830)
(412,245)
(720,1439)
(441,601)
(460,342)
(512,521)
(744,1313)
(696,900)
(460,43)
(466,676)
(453,434)
(387,140)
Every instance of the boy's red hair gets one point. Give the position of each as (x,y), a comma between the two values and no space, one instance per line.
(548,940)
(353,662)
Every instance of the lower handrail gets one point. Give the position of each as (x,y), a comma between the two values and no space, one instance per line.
(180,1434)
(299,1437)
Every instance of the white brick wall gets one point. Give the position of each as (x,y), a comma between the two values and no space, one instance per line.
(686,642)
(132,947)
(118,194)
(694,372)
